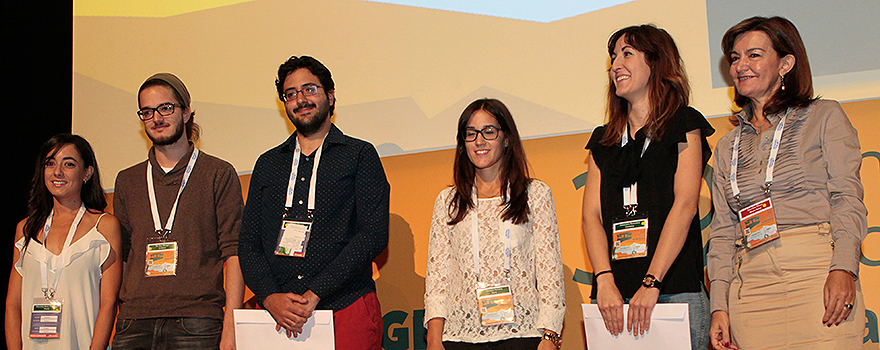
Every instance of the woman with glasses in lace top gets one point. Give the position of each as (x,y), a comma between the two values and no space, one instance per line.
(494,275)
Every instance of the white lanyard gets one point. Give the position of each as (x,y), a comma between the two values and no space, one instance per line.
(630,193)
(157,223)
(771,162)
(504,229)
(294,167)
(49,292)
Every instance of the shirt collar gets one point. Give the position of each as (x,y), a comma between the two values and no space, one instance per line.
(334,136)
(745,115)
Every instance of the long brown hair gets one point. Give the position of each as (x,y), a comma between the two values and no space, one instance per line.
(514,167)
(668,85)
(786,40)
(40,202)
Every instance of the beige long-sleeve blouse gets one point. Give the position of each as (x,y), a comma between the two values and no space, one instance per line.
(816,180)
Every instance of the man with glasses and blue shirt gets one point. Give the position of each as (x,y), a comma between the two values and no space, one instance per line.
(180,212)
(316,217)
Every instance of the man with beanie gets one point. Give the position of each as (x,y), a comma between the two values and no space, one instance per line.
(316,217)
(180,212)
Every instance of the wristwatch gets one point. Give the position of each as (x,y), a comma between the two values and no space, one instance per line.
(651,282)
(553,338)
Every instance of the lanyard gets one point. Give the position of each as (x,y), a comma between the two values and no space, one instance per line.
(504,228)
(49,292)
(771,162)
(630,193)
(291,182)
(157,223)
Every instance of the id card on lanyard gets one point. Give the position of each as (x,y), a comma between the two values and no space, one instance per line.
(295,232)
(758,223)
(757,220)
(494,298)
(162,251)
(46,311)
(46,319)
(630,232)
(630,238)
(496,305)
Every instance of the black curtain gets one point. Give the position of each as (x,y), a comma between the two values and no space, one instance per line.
(38,37)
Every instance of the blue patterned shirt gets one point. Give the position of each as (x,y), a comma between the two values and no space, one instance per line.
(350,225)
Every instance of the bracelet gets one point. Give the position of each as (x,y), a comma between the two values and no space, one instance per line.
(553,338)
(596,275)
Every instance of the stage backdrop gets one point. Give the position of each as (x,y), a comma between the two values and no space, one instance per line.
(404,71)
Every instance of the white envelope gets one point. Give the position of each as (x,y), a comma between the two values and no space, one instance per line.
(255,329)
(670,329)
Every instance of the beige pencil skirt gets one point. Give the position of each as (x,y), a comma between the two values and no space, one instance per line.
(776,296)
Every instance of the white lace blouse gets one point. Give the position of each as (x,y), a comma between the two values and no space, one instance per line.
(536,269)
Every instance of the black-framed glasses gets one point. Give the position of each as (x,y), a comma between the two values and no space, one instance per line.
(489,132)
(308,90)
(164,110)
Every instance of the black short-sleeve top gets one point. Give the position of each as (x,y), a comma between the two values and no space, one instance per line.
(655,173)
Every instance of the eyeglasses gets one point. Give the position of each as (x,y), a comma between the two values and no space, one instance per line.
(308,90)
(164,110)
(489,132)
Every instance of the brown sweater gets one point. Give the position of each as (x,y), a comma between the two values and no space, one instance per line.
(206,230)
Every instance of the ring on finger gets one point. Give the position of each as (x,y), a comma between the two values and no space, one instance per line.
(848,306)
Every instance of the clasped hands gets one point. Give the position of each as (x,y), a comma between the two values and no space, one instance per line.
(291,311)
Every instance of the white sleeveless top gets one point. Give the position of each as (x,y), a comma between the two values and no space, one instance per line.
(79,287)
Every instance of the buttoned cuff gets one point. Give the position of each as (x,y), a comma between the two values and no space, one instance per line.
(847,253)
(718,294)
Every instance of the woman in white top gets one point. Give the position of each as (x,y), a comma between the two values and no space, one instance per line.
(67,250)
(495,233)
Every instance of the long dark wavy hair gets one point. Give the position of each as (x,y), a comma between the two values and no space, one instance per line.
(786,40)
(40,202)
(668,84)
(514,167)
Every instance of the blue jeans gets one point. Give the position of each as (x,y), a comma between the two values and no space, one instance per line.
(698,313)
(167,333)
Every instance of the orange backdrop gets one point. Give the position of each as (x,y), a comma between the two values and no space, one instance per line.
(416,179)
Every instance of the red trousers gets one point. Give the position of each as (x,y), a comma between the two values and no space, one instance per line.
(359,326)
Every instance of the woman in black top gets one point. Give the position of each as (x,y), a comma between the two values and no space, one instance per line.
(655,141)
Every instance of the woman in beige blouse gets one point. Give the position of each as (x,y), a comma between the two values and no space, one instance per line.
(789,218)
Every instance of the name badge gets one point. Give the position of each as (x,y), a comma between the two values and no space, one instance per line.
(45,319)
(294,238)
(758,222)
(496,304)
(630,238)
(161,258)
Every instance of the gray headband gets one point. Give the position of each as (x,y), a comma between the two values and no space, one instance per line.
(176,84)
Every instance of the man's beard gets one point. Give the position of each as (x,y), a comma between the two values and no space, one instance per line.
(309,126)
(170,139)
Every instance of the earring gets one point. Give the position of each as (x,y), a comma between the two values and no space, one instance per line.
(782,76)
